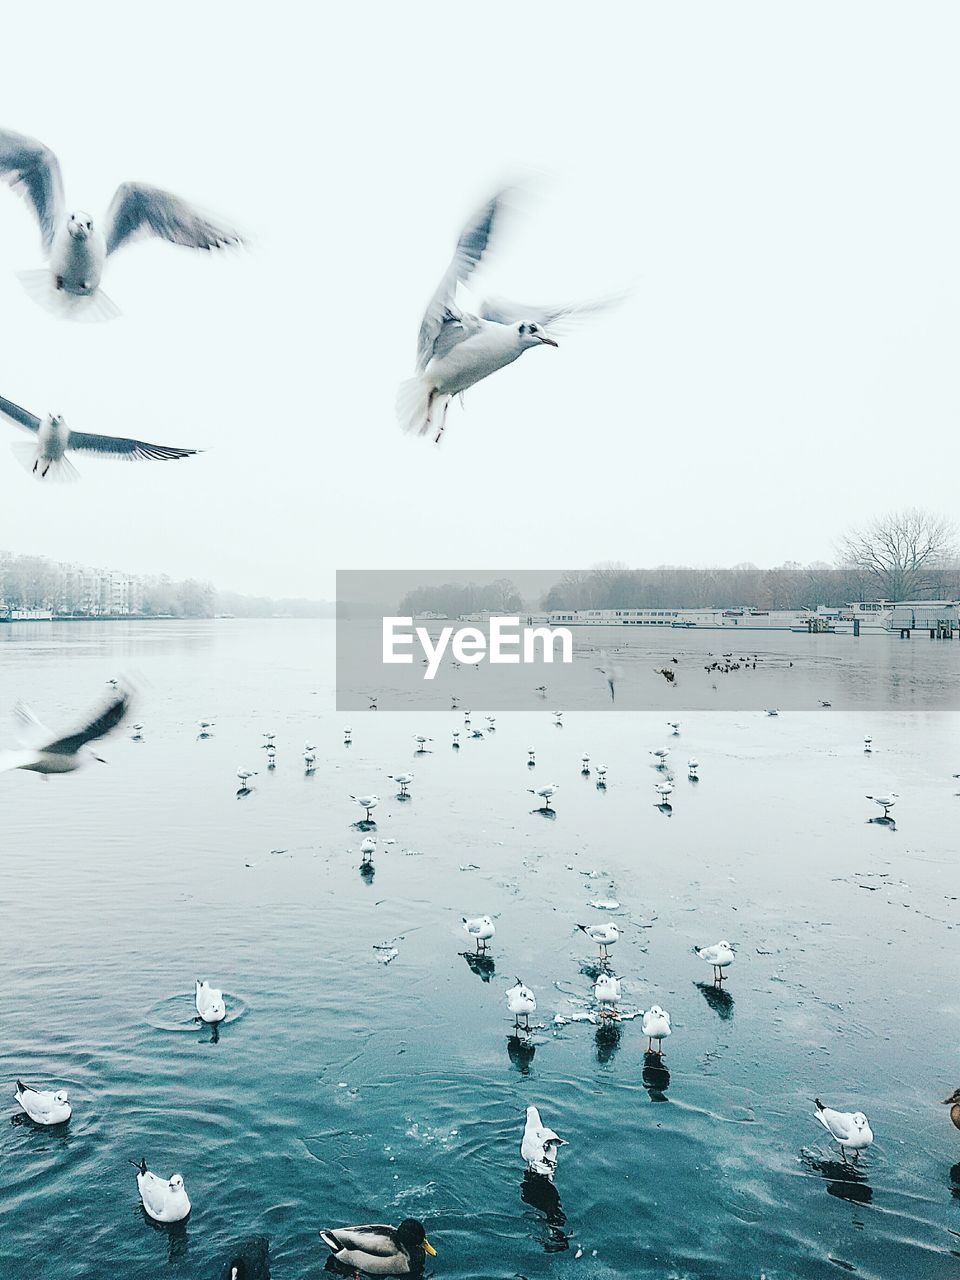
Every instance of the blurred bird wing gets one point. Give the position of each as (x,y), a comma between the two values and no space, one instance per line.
(506,311)
(30,730)
(107,720)
(139,210)
(455,327)
(442,309)
(124,449)
(33,171)
(16,760)
(19,417)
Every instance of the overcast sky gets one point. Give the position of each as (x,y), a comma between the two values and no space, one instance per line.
(778,184)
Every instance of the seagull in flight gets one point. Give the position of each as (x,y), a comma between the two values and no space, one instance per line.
(45,456)
(76,246)
(457,348)
(68,752)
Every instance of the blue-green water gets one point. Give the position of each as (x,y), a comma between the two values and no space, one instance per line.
(348,1089)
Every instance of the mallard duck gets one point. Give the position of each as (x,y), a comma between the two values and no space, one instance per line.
(380,1250)
(953,1102)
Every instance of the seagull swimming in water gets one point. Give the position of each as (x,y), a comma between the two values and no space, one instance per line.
(44,1106)
(540,1145)
(66,753)
(851,1129)
(163,1199)
(76,246)
(46,454)
(457,349)
(209,1002)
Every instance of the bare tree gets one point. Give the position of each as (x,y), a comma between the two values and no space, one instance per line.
(900,553)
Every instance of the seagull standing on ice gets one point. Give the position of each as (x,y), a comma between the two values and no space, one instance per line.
(164,1199)
(656,1026)
(46,456)
(367,803)
(604,935)
(76,247)
(851,1129)
(456,349)
(720,956)
(402,780)
(521,1002)
(44,1106)
(481,929)
(886,802)
(540,1145)
(546,794)
(66,753)
(607,991)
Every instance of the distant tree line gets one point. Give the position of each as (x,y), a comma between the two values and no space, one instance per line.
(454,599)
(905,555)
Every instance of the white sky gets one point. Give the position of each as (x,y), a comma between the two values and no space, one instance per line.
(779,184)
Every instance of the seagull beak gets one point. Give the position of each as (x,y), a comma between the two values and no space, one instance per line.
(99,759)
(428,1248)
(548,342)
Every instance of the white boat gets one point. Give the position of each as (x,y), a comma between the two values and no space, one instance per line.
(26,615)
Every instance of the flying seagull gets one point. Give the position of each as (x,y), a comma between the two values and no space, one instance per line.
(46,456)
(77,247)
(67,753)
(457,348)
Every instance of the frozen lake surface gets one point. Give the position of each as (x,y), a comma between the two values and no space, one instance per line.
(354,1084)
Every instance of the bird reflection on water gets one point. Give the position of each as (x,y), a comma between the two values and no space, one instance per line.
(845,1181)
(480,963)
(178,1239)
(540,1193)
(520,1051)
(656,1077)
(719,1000)
(249,1261)
(607,1041)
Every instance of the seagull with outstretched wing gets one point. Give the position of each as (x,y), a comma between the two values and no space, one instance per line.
(67,753)
(458,348)
(76,246)
(45,456)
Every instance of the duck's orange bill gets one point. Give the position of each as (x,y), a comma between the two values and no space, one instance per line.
(428,1248)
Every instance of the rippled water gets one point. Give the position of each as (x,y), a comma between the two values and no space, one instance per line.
(351,1089)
